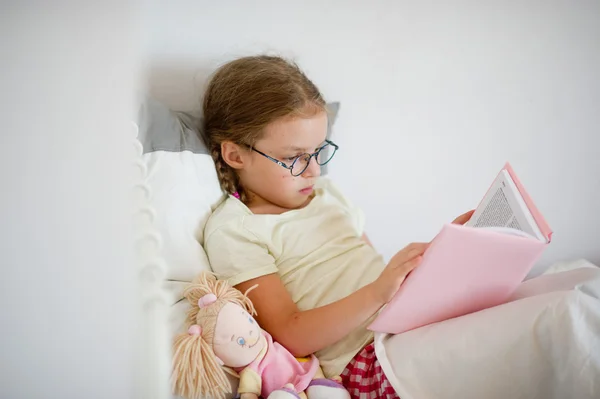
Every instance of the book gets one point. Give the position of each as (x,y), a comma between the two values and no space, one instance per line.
(472,267)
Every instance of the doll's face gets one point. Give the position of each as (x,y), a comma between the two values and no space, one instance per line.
(238,339)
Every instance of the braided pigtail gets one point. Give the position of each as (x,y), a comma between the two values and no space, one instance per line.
(228,177)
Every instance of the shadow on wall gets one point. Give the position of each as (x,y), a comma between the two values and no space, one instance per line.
(179,85)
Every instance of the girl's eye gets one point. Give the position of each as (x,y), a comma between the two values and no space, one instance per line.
(251,320)
(241,341)
(290,159)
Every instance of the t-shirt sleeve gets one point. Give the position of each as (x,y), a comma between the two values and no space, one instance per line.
(237,255)
(356,214)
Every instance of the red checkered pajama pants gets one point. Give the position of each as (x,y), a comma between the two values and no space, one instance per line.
(364,378)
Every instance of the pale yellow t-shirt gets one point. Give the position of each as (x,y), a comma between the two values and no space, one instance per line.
(317,251)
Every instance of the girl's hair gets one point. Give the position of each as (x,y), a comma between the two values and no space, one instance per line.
(196,371)
(247,94)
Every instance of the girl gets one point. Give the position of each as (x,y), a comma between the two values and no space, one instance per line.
(320,282)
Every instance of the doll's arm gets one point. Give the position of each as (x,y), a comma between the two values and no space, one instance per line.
(250,384)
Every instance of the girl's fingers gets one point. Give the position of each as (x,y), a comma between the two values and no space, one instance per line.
(410,265)
(464,218)
(413,250)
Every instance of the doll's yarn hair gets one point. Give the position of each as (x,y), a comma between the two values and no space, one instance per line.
(206,317)
(196,371)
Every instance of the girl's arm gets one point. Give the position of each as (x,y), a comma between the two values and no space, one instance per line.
(306,332)
(303,333)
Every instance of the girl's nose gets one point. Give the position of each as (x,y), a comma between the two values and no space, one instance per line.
(313,169)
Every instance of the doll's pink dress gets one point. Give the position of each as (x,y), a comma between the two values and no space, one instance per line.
(275,367)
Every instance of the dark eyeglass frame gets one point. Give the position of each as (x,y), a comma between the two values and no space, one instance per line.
(314,154)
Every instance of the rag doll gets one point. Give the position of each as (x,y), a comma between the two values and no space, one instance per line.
(223,337)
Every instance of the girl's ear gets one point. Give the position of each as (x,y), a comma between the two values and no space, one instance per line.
(233,154)
(196,371)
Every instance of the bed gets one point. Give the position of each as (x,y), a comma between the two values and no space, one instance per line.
(475,356)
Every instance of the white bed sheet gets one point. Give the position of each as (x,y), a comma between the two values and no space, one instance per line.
(543,344)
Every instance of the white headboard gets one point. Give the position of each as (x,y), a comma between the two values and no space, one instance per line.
(153,349)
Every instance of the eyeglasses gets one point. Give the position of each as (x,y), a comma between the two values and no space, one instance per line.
(301,162)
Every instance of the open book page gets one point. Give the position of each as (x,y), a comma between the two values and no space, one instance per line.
(503,206)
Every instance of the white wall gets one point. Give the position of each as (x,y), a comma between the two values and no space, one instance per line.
(436,96)
(67,288)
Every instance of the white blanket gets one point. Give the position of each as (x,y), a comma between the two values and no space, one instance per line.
(544,344)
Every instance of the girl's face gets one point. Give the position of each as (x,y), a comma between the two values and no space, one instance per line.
(271,184)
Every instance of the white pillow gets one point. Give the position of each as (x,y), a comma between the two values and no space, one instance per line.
(184,189)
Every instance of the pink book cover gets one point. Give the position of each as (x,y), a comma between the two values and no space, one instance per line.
(466,269)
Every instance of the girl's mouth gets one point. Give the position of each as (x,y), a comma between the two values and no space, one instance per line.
(307,190)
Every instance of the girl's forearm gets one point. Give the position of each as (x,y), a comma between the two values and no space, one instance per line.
(333,321)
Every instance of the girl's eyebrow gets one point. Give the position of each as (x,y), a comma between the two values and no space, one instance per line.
(295,148)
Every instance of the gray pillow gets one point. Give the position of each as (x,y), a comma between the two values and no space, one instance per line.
(161,129)
(333,113)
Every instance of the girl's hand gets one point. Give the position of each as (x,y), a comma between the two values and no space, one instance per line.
(397,269)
